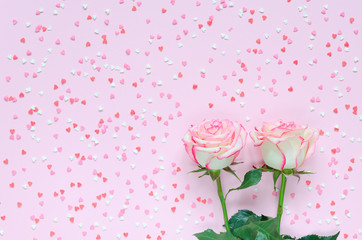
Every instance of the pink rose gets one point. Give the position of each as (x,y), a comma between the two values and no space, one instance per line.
(285,145)
(215,144)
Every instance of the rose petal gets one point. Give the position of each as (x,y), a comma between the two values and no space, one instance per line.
(220,164)
(272,156)
(188,145)
(312,142)
(232,151)
(204,155)
(257,137)
(293,143)
(215,144)
(237,144)
(290,149)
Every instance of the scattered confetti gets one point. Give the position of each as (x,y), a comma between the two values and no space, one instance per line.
(96,97)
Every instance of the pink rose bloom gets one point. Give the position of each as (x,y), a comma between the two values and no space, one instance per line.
(285,145)
(215,144)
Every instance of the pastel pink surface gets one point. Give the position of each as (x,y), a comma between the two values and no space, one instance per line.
(119,83)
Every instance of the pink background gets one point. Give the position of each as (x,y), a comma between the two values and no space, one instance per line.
(171,68)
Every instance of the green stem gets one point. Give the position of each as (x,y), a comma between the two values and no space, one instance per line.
(222,200)
(281,200)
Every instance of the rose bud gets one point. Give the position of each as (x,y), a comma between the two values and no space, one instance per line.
(214,144)
(285,145)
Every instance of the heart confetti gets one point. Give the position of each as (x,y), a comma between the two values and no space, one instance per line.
(96,97)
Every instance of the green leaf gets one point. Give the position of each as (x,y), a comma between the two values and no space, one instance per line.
(287,237)
(288,172)
(201,169)
(235,163)
(276,175)
(298,173)
(266,230)
(214,174)
(198,170)
(241,218)
(267,169)
(251,178)
(260,236)
(265,218)
(229,170)
(316,237)
(297,176)
(206,173)
(211,235)
(303,172)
